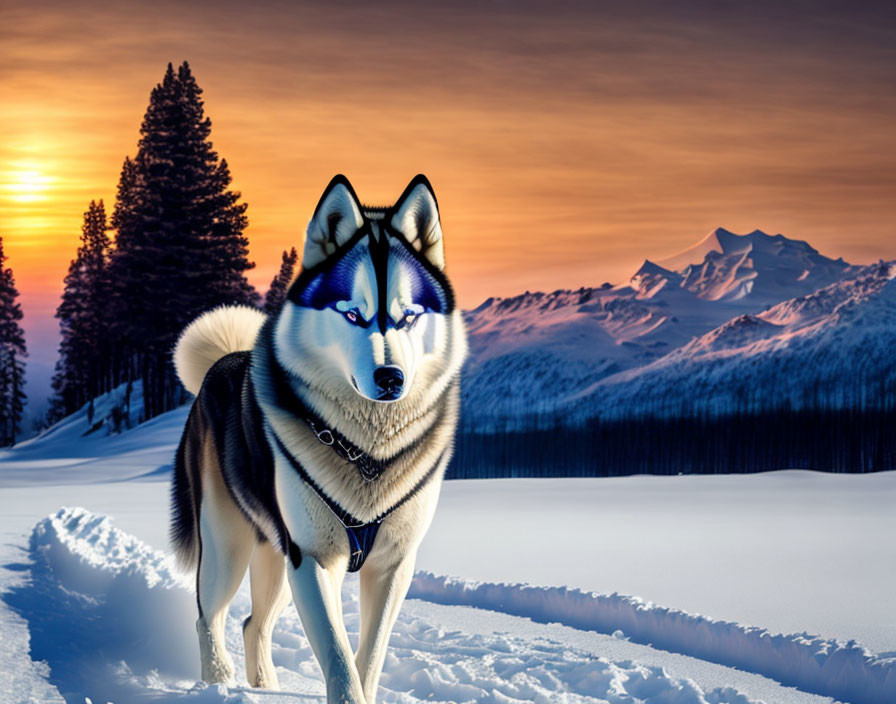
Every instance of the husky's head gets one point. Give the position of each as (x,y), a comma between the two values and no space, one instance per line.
(371,312)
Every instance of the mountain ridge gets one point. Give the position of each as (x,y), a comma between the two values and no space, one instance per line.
(757,298)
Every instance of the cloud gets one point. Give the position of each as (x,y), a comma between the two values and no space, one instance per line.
(567,141)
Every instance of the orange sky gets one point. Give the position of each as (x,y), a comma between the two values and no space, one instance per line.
(566,142)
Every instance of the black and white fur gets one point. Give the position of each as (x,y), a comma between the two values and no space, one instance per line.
(371,303)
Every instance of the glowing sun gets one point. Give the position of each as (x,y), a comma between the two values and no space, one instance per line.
(26,184)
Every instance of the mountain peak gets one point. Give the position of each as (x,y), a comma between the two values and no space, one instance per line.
(718,240)
(726,241)
(730,266)
(651,278)
(650,268)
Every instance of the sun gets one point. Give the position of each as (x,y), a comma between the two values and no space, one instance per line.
(26,183)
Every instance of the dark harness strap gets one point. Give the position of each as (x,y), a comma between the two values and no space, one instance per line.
(369,468)
(361,535)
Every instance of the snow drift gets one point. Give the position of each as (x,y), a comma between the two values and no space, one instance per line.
(845,671)
(115,623)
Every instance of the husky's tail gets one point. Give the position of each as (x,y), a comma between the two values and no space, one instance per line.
(208,338)
(211,336)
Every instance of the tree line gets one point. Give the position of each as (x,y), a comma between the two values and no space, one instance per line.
(174,247)
(828,438)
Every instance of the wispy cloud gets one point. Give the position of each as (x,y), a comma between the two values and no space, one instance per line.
(566,140)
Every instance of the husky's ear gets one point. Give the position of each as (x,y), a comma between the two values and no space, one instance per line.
(416,217)
(336,218)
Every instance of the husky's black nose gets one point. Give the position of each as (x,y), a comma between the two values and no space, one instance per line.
(389,380)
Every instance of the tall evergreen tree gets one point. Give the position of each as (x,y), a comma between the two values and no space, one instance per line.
(124,214)
(273,299)
(121,329)
(83,369)
(12,356)
(180,245)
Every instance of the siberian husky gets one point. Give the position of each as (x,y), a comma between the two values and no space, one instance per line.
(319,436)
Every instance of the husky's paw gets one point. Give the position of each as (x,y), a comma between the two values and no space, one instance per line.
(259,666)
(218,671)
(265,680)
(344,693)
(217,665)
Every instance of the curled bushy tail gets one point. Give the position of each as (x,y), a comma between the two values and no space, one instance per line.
(211,336)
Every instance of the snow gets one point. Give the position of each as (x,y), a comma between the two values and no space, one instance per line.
(650,349)
(67,453)
(791,571)
(532,352)
(88,576)
(846,670)
(539,353)
(121,404)
(782,550)
(832,347)
(764,267)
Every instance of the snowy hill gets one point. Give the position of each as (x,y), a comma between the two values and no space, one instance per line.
(108,414)
(833,347)
(526,351)
(92,607)
(745,299)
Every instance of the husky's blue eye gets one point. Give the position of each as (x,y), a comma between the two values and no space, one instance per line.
(352,316)
(410,317)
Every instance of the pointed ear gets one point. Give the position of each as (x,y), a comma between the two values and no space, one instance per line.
(416,217)
(336,218)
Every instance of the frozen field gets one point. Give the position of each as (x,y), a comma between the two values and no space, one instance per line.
(775,588)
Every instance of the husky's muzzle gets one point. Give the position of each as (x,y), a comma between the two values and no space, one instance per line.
(389,380)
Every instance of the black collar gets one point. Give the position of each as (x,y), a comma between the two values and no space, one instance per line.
(369,468)
(286,398)
(343,516)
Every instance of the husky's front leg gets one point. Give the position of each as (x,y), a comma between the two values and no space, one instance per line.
(317,593)
(383,589)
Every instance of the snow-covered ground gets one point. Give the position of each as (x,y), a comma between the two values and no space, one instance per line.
(90,606)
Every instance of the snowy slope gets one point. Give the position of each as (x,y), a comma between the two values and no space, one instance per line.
(527,351)
(609,349)
(89,610)
(76,450)
(109,414)
(88,574)
(533,351)
(834,345)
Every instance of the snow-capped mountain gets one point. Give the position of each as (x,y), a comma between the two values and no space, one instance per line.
(762,267)
(652,279)
(704,324)
(530,350)
(833,348)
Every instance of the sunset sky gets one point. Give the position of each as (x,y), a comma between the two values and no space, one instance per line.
(566,141)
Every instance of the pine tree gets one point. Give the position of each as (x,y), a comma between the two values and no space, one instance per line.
(180,247)
(121,330)
(273,299)
(12,356)
(124,214)
(83,369)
